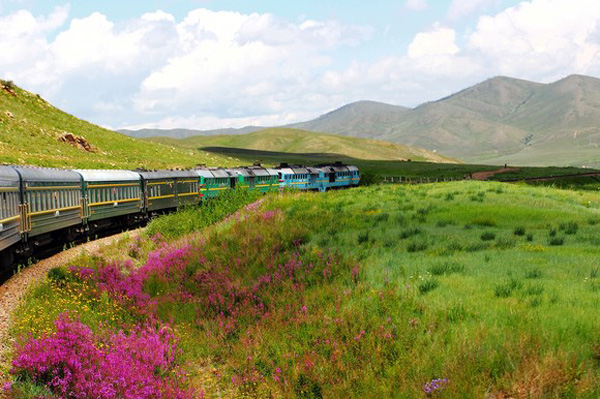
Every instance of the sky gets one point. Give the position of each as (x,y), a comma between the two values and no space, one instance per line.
(208,64)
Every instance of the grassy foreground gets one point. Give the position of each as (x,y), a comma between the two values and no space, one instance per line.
(453,290)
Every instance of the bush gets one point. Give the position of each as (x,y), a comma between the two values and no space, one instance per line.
(505,289)
(556,241)
(71,364)
(569,227)
(446,268)
(59,274)
(428,285)
(519,231)
(488,236)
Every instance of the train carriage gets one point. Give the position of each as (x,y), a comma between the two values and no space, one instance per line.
(244,177)
(265,179)
(111,196)
(188,188)
(50,201)
(167,189)
(10,217)
(354,175)
(297,177)
(214,181)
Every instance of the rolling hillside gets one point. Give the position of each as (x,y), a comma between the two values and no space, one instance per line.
(33,132)
(497,121)
(285,140)
(184,133)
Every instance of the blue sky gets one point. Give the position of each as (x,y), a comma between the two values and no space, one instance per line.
(222,63)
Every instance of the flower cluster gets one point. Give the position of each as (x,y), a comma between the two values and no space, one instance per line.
(76,363)
(435,386)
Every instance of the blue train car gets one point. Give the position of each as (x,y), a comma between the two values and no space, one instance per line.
(296,176)
(338,175)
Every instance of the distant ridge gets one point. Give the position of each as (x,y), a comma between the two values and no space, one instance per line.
(500,120)
(183,133)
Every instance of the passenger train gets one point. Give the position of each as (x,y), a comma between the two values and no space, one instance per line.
(43,206)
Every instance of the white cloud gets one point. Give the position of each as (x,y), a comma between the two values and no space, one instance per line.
(543,38)
(416,5)
(438,41)
(461,8)
(218,69)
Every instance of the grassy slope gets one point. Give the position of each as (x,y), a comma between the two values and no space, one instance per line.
(492,286)
(30,136)
(302,141)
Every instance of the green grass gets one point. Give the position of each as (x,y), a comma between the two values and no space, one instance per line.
(287,142)
(378,290)
(30,128)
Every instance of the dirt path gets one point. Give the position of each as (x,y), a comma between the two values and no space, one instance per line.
(490,173)
(12,291)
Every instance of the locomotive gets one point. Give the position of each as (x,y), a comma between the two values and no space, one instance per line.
(44,206)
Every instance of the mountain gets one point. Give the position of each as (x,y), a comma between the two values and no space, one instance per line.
(183,133)
(287,140)
(501,120)
(33,132)
(360,119)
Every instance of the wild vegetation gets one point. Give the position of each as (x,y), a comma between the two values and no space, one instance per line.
(285,141)
(33,132)
(453,290)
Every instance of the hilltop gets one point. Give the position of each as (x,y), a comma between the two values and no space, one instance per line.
(295,141)
(33,132)
(497,121)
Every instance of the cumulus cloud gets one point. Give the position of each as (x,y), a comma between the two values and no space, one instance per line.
(416,5)
(461,8)
(228,69)
(438,41)
(543,38)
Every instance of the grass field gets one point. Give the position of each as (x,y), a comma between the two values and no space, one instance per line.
(30,129)
(293,141)
(450,290)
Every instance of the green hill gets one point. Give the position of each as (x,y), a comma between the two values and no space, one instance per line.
(285,140)
(33,132)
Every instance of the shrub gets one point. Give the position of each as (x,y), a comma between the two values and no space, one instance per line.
(59,274)
(569,227)
(488,236)
(505,289)
(534,273)
(428,285)
(556,241)
(519,231)
(71,364)
(363,237)
(409,232)
(446,268)
(417,246)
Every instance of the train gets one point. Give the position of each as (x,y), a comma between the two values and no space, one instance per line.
(40,207)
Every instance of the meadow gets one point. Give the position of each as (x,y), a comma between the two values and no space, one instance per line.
(449,290)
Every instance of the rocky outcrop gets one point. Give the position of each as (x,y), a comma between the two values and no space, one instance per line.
(78,142)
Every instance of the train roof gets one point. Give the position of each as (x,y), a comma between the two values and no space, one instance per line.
(8,177)
(108,175)
(204,173)
(43,175)
(220,172)
(167,174)
(241,171)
